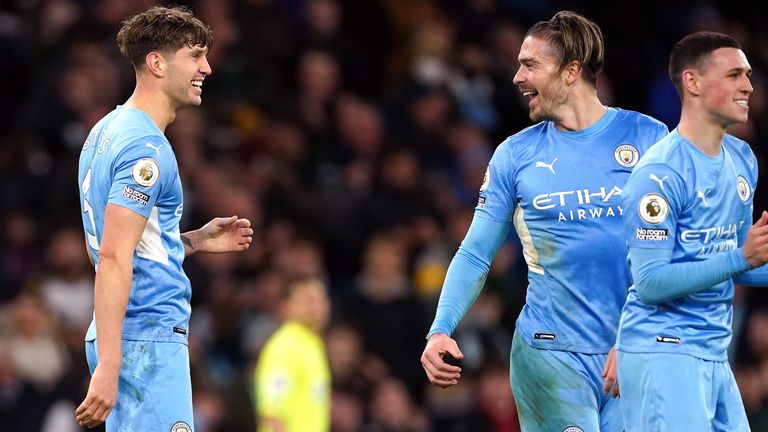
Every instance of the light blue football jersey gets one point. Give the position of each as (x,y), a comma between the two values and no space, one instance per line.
(562,190)
(127,161)
(683,200)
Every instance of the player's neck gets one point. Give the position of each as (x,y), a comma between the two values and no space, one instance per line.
(580,112)
(701,131)
(154,103)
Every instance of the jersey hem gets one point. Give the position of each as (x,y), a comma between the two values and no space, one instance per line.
(554,346)
(659,349)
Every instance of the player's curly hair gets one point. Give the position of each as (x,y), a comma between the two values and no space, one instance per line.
(571,37)
(161,29)
(693,52)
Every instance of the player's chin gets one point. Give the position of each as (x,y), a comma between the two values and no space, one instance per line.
(188,103)
(738,118)
(535,115)
(744,117)
(193,99)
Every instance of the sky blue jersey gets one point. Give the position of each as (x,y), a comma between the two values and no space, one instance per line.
(698,207)
(126,160)
(562,191)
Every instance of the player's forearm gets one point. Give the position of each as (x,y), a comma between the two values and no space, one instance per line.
(657,280)
(191,241)
(467,273)
(757,277)
(463,282)
(111,292)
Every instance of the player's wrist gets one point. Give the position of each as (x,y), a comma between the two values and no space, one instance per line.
(436,334)
(192,240)
(109,366)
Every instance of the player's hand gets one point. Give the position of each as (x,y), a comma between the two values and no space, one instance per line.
(609,374)
(230,234)
(755,247)
(438,371)
(101,397)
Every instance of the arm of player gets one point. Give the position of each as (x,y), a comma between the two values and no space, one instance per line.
(465,278)
(657,280)
(230,234)
(757,277)
(756,253)
(122,230)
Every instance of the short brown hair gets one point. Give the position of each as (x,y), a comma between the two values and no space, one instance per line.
(693,51)
(573,37)
(161,29)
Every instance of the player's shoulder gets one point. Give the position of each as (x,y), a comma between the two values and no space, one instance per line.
(638,118)
(671,149)
(666,161)
(128,125)
(132,135)
(525,135)
(519,147)
(524,141)
(737,144)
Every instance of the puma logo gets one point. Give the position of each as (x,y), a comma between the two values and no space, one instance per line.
(548,166)
(703,196)
(157,148)
(660,181)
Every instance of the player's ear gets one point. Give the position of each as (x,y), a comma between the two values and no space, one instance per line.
(690,80)
(155,63)
(572,71)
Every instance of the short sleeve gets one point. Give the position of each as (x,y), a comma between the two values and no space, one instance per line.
(142,171)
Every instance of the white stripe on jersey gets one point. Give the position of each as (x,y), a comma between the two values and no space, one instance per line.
(529,251)
(151,245)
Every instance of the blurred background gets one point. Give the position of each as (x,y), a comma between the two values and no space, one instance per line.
(354,134)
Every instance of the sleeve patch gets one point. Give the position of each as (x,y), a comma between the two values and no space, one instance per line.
(136,195)
(653,234)
(486,179)
(145,172)
(653,208)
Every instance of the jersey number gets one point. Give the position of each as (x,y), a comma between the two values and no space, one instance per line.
(93,242)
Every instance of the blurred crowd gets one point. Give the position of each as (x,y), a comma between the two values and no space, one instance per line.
(354,134)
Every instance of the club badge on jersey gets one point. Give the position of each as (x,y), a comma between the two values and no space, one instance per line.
(626,155)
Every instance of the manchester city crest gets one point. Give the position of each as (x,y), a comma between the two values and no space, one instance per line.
(626,155)
(181,427)
(743,188)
